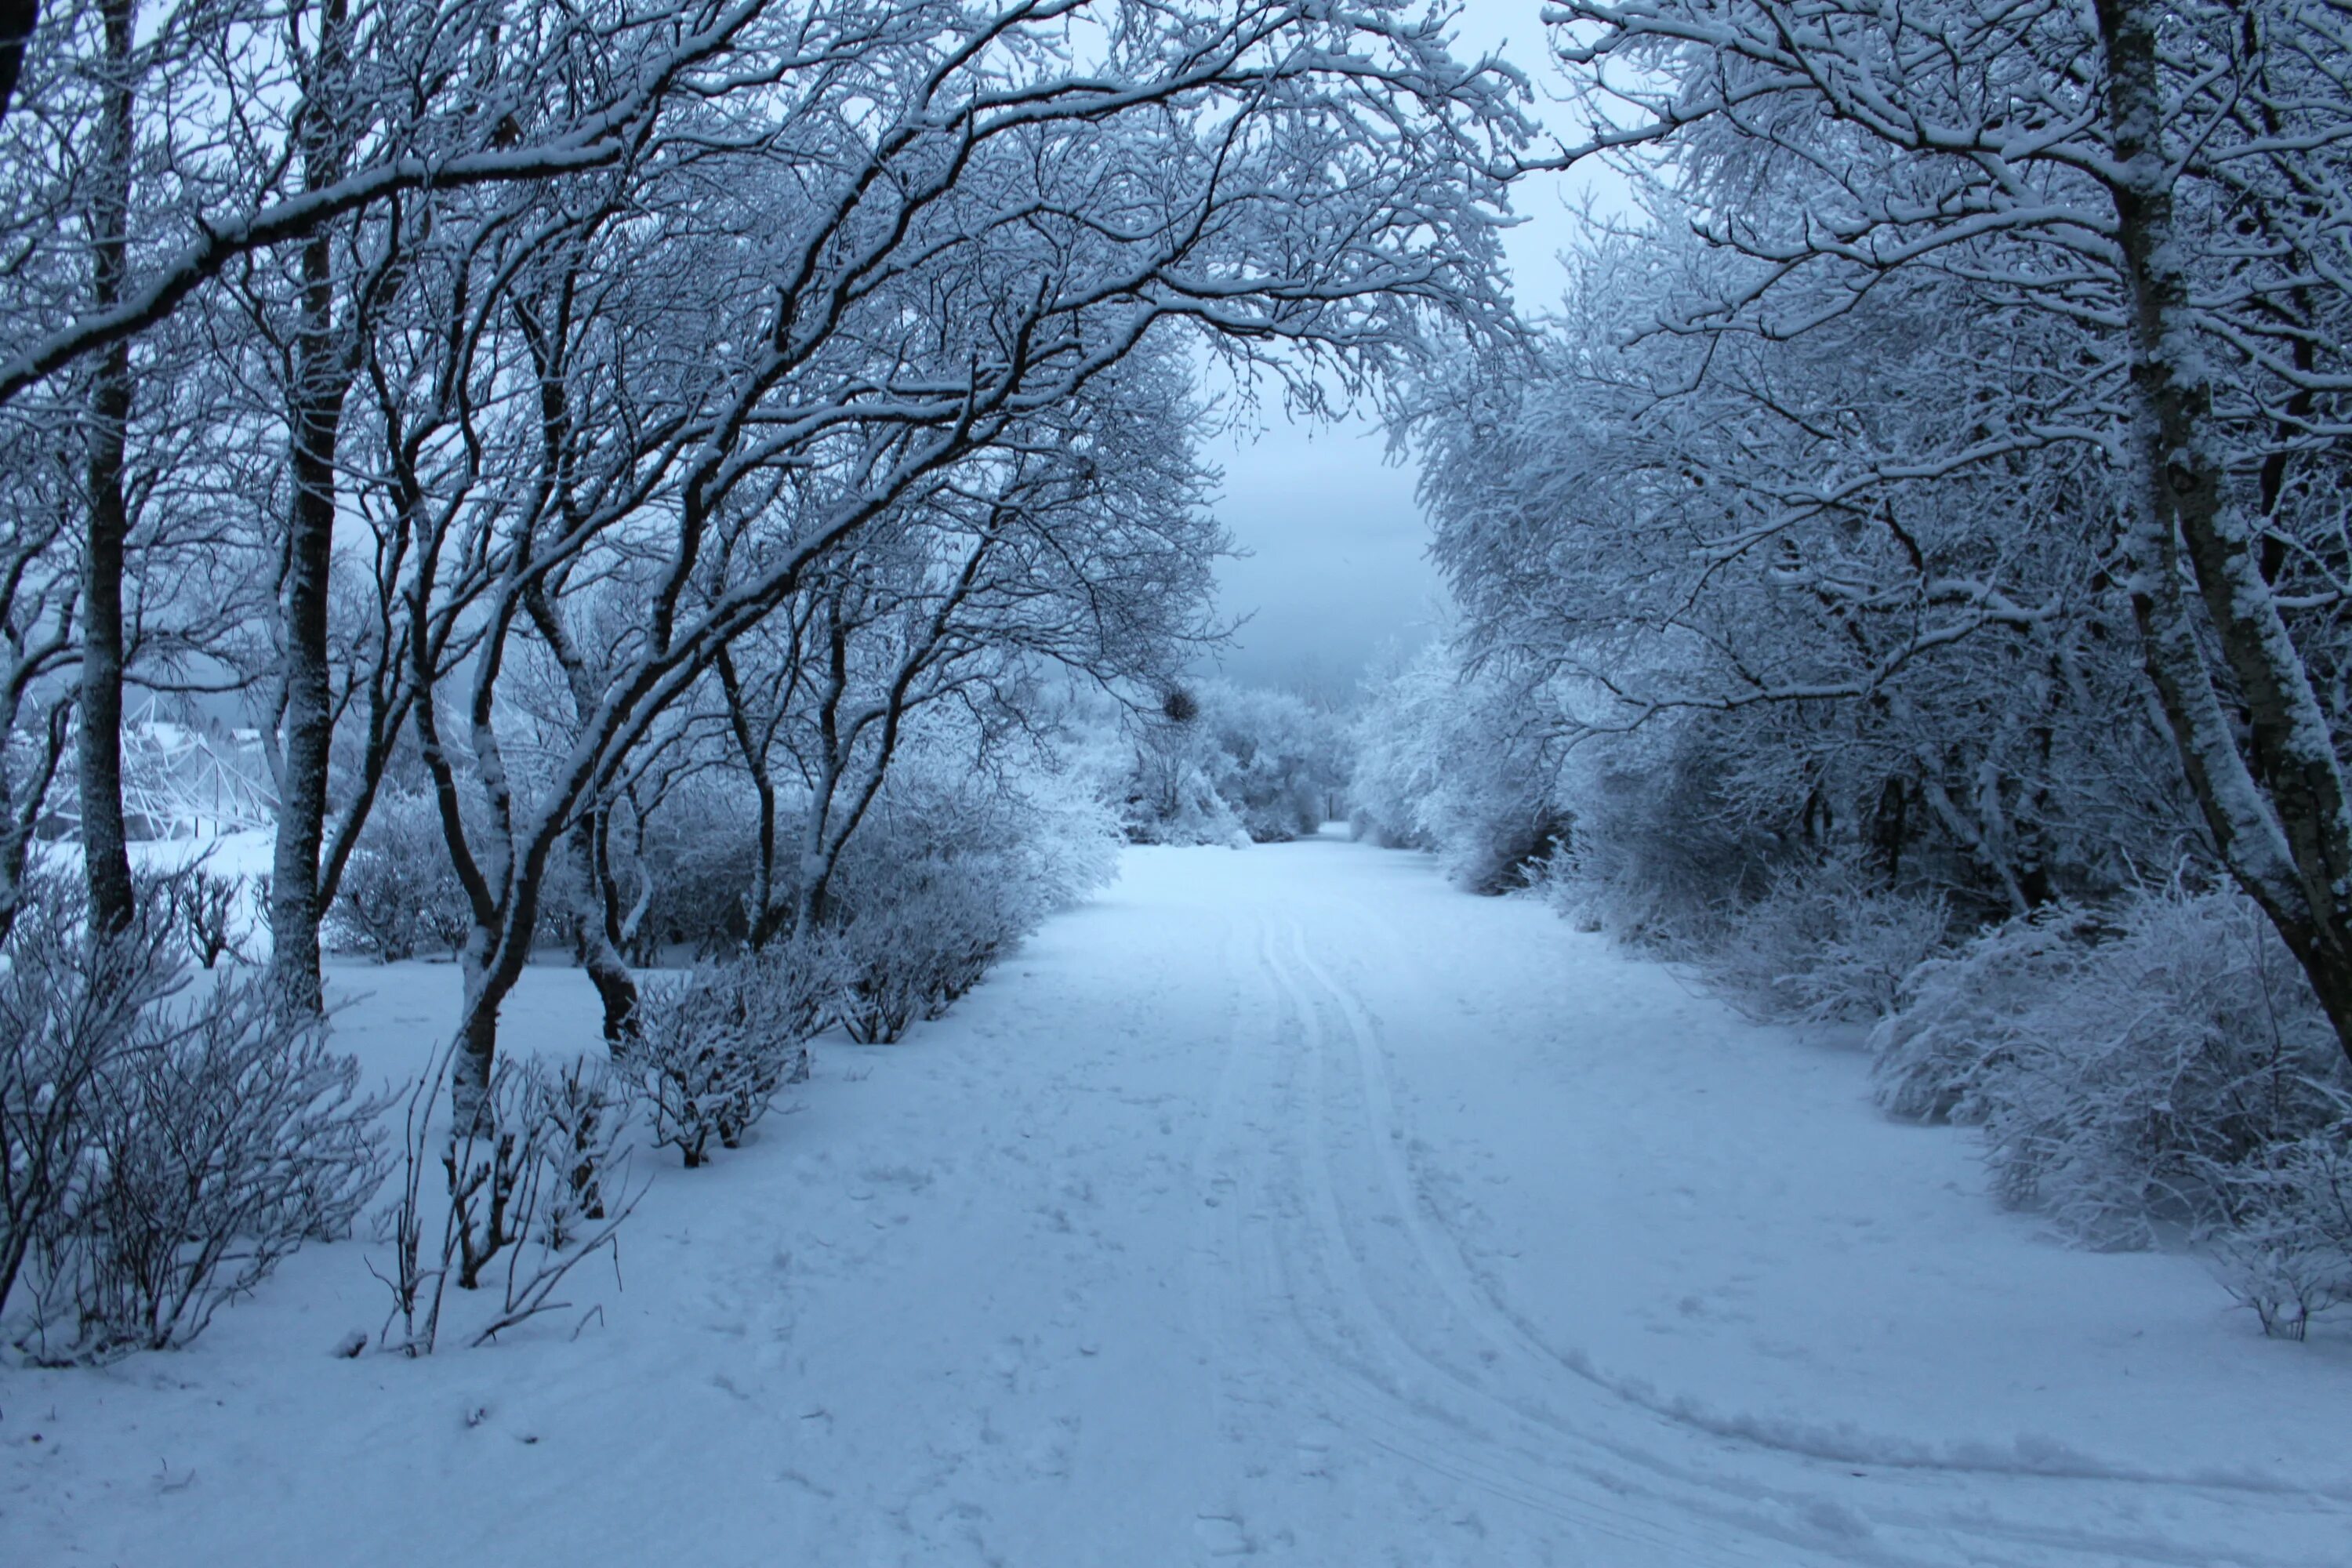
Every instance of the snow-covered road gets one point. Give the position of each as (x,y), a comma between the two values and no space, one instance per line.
(1283,1202)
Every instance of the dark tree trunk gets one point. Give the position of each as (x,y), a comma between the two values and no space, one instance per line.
(321,379)
(1889,826)
(105,856)
(599,933)
(17,20)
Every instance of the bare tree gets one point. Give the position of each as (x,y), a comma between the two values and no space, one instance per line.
(778,361)
(1080,545)
(2167,210)
(37,601)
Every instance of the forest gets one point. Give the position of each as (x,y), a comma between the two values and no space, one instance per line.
(711,494)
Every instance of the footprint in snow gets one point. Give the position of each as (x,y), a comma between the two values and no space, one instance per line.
(1221,1536)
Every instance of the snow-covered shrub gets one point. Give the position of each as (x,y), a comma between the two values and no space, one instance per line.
(580,1107)
(400,895)
(713,1045)
(1826,943)
(1944,1046)
(166,1144)
(534,1181)
(2287,1253)
(1225,764)
(946,878)
(695,868)
(2288,1257)
(1171,792)
(209,909)
(1458,761)
(913,956)
(1660,856)
(1397,750)
(223,1140)
(69,1014)
(1277,761)
(2132,1067)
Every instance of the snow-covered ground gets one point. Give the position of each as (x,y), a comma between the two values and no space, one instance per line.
(1283,1202)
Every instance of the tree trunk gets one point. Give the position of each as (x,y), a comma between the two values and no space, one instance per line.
(599,933)
(309,718)
(478,1042)
(105,856)
(2273,800)
(321,378)
(17,20)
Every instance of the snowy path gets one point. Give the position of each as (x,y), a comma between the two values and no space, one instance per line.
(1283,1203)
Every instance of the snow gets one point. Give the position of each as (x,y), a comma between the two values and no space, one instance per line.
(1285,1203)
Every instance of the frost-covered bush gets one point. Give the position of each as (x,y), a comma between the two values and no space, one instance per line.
(167,1144)
(522,1196)
(226,1138)
(210,910)
(1940,1052)
(686,871)
(1661,856)
(71,1013)
(913,955)
(1224,764)
(1171,791)
(1398,751)
(1459,762)
(712,1045)
(578,1107)
(1277,762)
(945,878)
(2129,1068)
(2287,1254)
(399,895)
(1827,943)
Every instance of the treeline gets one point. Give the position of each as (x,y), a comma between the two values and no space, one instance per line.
(584,441)
(1909,572)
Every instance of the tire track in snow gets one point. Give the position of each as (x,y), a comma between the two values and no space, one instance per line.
(1393,1391)
(1251,1294)
(2252,1507)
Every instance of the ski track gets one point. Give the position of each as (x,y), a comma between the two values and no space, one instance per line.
(1593,1439)
(1144,1257)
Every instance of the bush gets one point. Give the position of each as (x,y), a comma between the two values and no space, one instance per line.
(1661,855)
(1229,765)
(1171,794)
(579,1109)
(946,881)
(1829,943)
(1451,759)
(399,895)
(713,1045)
(69,1015)
(2150,1065)
(165,1155)
(913,956)
(2288,1255)
(535,1182)
(684,867)
(208,908)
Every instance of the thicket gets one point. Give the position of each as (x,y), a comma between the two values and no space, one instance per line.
(166,1138)
(1220,763)
(1908,566)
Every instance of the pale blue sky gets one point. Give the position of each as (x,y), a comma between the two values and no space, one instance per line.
(1338,562)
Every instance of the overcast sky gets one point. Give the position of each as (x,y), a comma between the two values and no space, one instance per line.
(1337,548)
